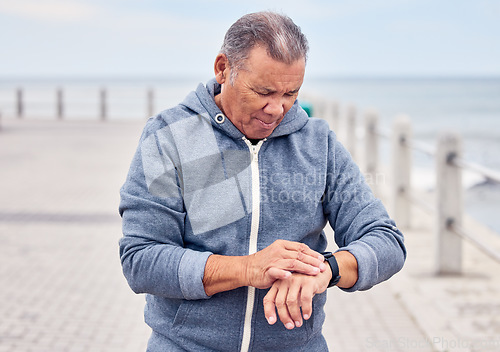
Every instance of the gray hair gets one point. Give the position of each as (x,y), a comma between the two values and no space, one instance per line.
(282,38)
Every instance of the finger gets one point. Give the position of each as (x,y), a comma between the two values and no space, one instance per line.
(306,256)
(282,308)
(317,262)
(269,305)
(278,274)
(298,251)
(306,296)
(297,266)
(293,304)
(314,257)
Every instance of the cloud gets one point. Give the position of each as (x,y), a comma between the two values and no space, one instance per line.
(49,10)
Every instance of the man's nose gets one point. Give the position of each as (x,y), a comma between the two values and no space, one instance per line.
(274,107)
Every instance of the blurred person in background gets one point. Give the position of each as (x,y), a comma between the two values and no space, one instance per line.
(226,200)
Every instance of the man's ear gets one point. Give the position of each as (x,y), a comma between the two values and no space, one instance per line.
(221,68)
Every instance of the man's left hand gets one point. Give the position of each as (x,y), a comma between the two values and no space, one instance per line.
(290,295)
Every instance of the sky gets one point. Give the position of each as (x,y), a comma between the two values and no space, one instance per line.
(161,38)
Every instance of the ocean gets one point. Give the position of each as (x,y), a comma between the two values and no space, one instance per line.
(468,106)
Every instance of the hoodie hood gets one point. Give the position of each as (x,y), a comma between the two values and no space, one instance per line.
(202,101)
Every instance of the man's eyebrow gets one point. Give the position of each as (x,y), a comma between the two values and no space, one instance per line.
(264,90)
(270,90)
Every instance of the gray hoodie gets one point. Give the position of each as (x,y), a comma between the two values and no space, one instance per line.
(197,186)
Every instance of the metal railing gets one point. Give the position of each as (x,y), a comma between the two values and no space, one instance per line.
(101,99)
(448,202)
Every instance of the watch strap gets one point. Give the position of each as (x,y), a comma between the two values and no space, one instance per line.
(332,261)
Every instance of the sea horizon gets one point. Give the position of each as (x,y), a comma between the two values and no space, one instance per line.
(202,77)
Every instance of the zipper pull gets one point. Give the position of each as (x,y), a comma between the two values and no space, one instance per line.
(255,153)
(254,149)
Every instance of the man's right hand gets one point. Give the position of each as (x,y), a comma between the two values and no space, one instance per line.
(261,269)
(279,260)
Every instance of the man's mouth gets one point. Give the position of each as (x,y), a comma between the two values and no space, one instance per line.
(266,124)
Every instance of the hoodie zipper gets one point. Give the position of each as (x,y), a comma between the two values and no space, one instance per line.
(252,245)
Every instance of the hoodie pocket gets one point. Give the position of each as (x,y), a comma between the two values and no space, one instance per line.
(201,324)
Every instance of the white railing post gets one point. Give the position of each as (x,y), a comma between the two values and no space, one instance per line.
(150,99)
(20,103)
(401,170)
(371,149)
(103,106)
(350,130)
(448,248)
(59,104)
(333,115)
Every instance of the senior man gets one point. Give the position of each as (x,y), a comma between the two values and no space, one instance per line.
(226,200)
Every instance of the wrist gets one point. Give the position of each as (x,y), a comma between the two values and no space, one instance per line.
(348,269)
(246,270)
(224,273)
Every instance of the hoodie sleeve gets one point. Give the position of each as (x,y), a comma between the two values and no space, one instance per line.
(360,221)
(152,251)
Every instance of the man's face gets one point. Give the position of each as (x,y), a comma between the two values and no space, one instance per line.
(264,90)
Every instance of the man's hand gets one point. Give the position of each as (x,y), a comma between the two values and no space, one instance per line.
(290,295)
(279,260)
(262,269)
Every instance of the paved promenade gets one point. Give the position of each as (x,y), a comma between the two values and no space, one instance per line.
(61,286)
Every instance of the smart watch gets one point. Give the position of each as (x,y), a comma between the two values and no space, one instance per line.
(330,258)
